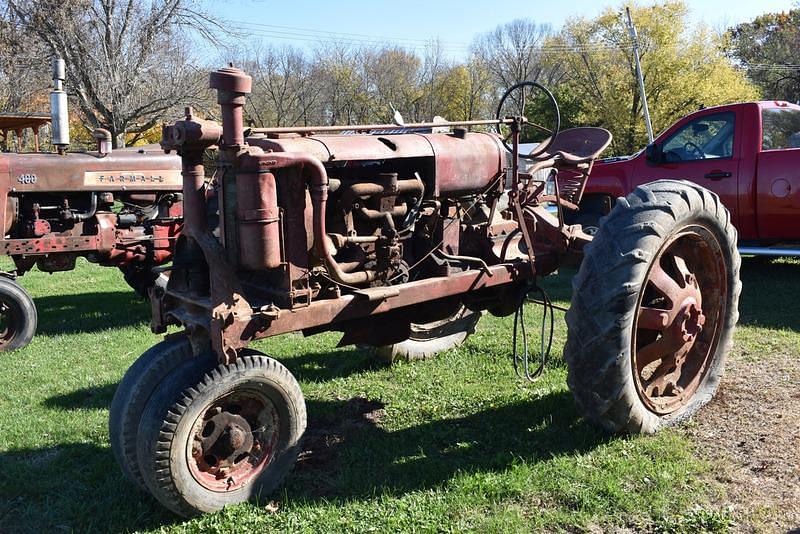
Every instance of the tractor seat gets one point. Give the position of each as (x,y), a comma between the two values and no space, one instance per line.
(578,145)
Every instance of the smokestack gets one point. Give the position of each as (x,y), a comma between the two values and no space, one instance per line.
(58,107)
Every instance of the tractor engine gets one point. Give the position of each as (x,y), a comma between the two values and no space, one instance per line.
(395,202)
(344,229)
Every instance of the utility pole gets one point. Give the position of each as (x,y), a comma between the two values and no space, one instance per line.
(635,39)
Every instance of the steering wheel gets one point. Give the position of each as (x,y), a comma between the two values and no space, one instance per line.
(690,147)
(520,101)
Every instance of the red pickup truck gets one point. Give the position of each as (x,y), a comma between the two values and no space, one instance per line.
(748,153)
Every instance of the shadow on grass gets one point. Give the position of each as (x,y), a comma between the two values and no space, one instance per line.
(328,365)
(559,286)
(347,455)
(311,367)
(94,398)
(90,312)
(769,293)
(72,487)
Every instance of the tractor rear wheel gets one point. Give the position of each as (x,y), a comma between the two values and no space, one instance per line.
(132,394)
(18,316)
(214,438)
(654,307)
(428,339)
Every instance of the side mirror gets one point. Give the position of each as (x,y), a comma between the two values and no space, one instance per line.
(653,154)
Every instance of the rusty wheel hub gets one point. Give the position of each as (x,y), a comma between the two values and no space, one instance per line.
(676,326)
(233,441)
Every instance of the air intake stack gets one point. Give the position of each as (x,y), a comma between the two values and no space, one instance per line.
(58,107)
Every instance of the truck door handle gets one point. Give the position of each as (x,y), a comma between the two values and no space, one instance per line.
(718,175)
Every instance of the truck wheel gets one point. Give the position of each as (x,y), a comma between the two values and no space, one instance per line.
(211,439)
(18,316)
(141,279)
(654,307)
(590,221)
(430,338)
(132,394)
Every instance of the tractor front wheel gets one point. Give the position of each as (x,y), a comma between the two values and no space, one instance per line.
(18,316)
(210,439)
(654,307)
(132,394)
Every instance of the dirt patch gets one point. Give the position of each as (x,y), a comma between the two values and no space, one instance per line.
(325,436)
(751,433)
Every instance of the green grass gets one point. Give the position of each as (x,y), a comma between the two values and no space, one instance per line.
(463,445)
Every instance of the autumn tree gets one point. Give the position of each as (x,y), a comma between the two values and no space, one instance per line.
(465,92)
(128,62)
(767,48)
(683,67)
(517,52)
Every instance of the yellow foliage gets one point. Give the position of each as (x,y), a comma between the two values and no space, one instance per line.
(684,68)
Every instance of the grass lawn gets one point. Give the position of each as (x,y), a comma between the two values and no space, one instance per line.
(457,443)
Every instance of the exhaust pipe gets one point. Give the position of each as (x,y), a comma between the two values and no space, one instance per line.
(59,114)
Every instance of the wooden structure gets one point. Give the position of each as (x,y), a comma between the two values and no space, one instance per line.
(17,123)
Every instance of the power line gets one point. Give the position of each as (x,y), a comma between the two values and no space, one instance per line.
(294,33)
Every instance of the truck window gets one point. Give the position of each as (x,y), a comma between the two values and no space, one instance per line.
(781,128)
(707,137)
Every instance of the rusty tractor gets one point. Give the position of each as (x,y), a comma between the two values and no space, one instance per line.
(120,208)
(400,241)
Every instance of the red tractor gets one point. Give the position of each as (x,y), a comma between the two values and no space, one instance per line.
(401,241)
(121,208)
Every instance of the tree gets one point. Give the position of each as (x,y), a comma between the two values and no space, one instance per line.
(285,92)
(514,52)
(393,79)
(464,92)
(127,61)
(683,69)
(24,67)
(767,48)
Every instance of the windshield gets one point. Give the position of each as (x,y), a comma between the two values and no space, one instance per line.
(707,137)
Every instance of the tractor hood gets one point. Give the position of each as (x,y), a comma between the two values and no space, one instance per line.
(125,169)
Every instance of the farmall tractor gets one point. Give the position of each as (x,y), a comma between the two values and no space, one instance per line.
(401,241)
(119,208)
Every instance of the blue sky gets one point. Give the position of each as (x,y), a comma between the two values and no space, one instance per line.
(454,22)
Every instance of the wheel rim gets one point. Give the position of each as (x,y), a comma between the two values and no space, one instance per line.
(233,441)
(8,324)
(679,319)
(590,230)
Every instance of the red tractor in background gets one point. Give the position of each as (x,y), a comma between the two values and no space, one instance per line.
(401,241)
(120,208)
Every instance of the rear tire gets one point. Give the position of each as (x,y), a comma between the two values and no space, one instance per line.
(210,439)
(647,349)
(18,317)
(428,339)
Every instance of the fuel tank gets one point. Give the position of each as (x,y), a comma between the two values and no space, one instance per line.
(458,163)
(146,168)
